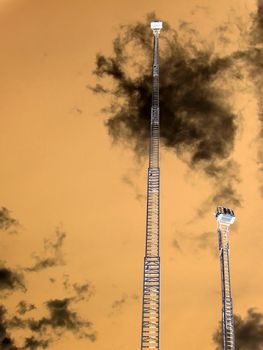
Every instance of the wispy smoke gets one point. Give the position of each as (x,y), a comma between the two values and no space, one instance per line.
(52,255)
(127,180)
(24,307)
(176,245)
(254,57)
(197,119)
(83,290)
(193,242)
(6,220)
(206,241)
(118,304)
(248,332)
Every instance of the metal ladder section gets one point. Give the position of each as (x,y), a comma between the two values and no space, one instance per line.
(150,338)
(227,306)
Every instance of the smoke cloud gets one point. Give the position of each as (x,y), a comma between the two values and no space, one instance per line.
(6,220)
(11,280)
(118,304)
(176,245)
(128,181)
(197,120)
(248,332)
(5,341)
(254,57)
(52,255)
(61,315)
(34,344)
(8,343)
(24,307)
(206,240)
(193,242)
(82,291)
(60,318)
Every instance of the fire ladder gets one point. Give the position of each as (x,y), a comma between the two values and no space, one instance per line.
(227,306)
(150,338)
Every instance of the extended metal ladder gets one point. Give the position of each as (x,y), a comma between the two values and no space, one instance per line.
(227,305)
(150,338)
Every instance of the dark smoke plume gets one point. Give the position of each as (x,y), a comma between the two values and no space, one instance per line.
(197,120)
(11,280)
(248,332)
(34,344)
(52,255)
(6,220)
(6,343)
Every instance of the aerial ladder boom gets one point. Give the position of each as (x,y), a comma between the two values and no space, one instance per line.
(150,337)
(225,217)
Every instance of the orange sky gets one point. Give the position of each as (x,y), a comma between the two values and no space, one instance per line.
(60,169)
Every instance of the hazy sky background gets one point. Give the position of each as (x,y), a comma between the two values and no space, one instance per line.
(80,200)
